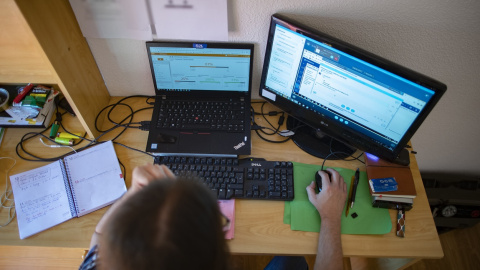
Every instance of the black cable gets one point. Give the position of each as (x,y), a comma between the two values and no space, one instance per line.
(32,135)
(340,152)
(150,103)
(120,124)
(275,129)
(134,149)
(120,103)
(125,126)
(257,128)
(130,116)
(113,106)
(24,154)
(36,158)
(270,141)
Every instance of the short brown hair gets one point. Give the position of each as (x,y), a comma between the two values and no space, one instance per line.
(169,224)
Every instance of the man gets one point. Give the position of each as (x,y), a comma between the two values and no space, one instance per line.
(163,223)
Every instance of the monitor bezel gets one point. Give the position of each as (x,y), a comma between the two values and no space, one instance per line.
(333,128)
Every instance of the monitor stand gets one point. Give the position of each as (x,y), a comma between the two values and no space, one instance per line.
(316,143)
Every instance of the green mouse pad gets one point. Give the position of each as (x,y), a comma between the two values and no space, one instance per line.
(302,215)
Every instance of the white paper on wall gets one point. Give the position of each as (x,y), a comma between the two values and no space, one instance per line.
(113,18)
(167,19)
(190,19)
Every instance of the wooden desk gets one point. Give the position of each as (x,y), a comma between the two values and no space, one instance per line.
(259,225)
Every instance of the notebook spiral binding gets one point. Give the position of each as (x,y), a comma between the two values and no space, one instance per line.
(71,197)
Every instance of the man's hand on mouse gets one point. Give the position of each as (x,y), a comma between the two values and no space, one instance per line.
(331,200)
(143,175)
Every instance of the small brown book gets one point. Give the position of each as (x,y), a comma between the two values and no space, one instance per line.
(378,168)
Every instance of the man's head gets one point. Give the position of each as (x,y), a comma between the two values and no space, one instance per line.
(169,224)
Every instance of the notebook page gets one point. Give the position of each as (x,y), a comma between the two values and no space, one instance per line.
(41,199)
(95,177)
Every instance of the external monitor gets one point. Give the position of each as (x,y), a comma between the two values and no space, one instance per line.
(341,97)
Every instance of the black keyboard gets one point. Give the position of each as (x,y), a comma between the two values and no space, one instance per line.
(236,178)
(228,115)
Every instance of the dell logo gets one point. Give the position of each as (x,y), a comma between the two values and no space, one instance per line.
(323,123)
(257,164)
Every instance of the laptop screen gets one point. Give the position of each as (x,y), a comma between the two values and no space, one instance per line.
(193,67)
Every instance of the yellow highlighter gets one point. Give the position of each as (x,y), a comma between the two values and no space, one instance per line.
(74,135)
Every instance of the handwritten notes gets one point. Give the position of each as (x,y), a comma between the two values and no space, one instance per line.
(55,193)
(40,198)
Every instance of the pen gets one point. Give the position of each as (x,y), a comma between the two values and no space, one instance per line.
(349,198)
(401,222)
(22,94)
(355,184)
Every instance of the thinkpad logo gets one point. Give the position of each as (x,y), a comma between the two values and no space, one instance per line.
(238,146)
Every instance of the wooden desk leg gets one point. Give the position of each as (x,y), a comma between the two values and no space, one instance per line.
(347,264)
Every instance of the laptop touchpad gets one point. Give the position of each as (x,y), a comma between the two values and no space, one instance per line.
(193,142)
(165,138)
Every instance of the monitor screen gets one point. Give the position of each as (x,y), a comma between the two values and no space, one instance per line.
(209,67)
(337,90)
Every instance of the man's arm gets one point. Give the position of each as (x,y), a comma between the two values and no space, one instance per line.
(329,251)
(329,204)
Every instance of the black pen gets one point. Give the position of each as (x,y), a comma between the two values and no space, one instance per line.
(355,184)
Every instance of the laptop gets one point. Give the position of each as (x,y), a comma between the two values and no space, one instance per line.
(202,98)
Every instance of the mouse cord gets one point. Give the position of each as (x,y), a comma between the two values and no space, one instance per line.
(339,152)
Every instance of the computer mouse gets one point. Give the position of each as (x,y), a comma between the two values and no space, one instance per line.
(318,179)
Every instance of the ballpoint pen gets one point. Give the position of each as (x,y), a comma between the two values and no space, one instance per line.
(349,198)
(355,184)
(400,222)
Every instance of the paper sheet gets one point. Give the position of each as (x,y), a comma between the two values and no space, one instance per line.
(113,18)
(190,19)
(167,19)
(42,195)
(95,177)
(40,199)
(302,215)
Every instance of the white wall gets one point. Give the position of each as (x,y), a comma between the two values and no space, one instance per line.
(438,38)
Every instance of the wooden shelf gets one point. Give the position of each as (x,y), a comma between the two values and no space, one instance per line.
(42,43)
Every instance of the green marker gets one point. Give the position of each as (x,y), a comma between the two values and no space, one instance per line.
(53,130)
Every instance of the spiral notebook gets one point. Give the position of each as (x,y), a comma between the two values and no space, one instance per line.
(75,186)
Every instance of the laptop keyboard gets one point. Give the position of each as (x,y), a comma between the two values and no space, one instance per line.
(236,178)
(202,115)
